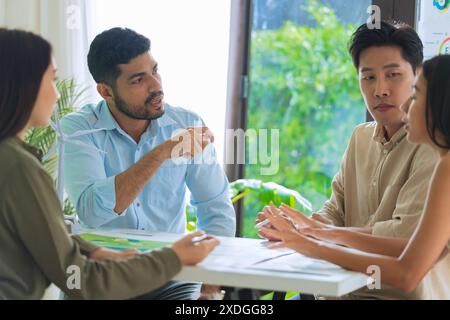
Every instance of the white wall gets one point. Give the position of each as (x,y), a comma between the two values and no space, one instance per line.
(23,14)
(52,20)
(2,13)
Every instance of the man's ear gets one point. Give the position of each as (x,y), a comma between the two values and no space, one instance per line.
(105,91)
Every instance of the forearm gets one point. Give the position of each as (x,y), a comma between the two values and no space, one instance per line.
(367,231)
(392,247)
(130,183)
(393,271)
(322,218)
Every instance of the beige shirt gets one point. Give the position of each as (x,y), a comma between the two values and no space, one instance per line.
(383,184)
(35,248)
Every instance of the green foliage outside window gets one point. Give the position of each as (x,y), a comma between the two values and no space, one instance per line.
(302,82)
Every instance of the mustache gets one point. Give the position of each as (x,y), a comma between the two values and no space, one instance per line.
(154,95)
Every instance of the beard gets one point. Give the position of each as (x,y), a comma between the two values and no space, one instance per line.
(144,112)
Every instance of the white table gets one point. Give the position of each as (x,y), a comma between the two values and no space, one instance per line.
(233,264)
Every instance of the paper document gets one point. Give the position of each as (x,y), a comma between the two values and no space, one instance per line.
(297,262)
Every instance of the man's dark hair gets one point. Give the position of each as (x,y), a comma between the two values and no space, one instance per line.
(111,48)
(390,34)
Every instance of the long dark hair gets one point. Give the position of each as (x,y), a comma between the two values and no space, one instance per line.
(437,116)
(24,58)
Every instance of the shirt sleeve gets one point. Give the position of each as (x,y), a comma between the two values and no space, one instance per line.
(39,224)
(334,208)
(210,194)
(86,247)
(411,198)
(89,188)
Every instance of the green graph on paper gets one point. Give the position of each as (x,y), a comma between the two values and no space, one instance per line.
(121,244)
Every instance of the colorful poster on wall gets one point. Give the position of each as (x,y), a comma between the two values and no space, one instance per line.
(434,26)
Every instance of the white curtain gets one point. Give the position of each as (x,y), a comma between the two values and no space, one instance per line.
(67,24)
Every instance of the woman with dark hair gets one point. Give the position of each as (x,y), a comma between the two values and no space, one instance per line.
(35,247)
(403,263)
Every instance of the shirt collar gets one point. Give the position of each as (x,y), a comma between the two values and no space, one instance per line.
(105,119)
(380,136)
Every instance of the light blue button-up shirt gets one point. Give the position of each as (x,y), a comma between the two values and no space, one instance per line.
(89,176)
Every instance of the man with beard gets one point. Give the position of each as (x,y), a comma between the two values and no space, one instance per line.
(136,179)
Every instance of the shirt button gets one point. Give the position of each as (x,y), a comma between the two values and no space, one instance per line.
(138,204)
(385,152)
(374,183)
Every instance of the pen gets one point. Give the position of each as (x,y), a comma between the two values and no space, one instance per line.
(262,224)
(199,239)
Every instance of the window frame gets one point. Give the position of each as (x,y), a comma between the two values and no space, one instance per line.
(237,96)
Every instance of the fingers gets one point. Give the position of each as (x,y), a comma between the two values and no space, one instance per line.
(291,212)
(274,209)
(306,231)
(207,133)
(277,221)
(209,244)
(278,245)
(259,218)
(130,252)
(266,236)
(295,215)
(204,132)
(272,233)
(192,235)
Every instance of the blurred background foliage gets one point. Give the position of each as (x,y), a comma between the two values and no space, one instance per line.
(302,82)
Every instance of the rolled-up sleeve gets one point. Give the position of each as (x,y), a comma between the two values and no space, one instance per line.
(333,209)
(411,199)
(85,180)
(210,196)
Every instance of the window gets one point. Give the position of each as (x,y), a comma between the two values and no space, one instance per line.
(303,83)
(190,42)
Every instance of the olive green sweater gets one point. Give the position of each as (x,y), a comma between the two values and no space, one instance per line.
(36,249)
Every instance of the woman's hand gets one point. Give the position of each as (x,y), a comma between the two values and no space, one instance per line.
(290,237)
(300,219)
(260,218)
(101,254)
(271,209)
(327,234)
(191,253)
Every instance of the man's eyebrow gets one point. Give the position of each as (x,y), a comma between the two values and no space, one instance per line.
(365,69)
(140,74)
(156,66)
(392,65)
